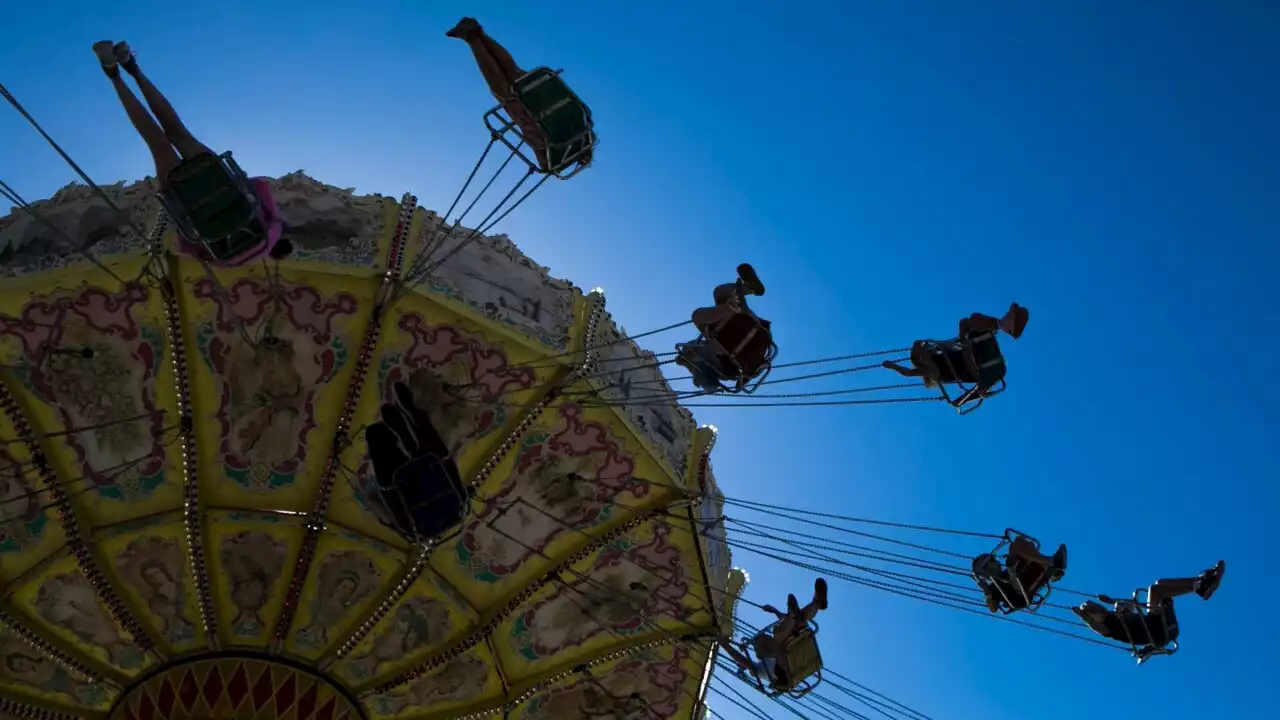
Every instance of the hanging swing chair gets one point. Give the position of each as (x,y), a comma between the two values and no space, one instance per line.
(1145,645)
(799,661)
(210,200)
(1023,586)
(738,355)
(982,359)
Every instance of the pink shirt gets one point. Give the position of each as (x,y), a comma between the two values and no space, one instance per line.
(270,219)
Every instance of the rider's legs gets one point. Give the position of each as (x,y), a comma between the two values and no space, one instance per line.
(177,133)
(799,617)
(152,134)
(1204,585)
(1013,323)
(1024,549)
(496,64)
(709,317)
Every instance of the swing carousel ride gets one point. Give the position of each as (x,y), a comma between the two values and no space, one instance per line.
(192,523)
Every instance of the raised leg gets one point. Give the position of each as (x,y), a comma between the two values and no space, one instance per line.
(795,620)
(496,64)
(161,151)
(179,136)
(1168,589)
(706,318)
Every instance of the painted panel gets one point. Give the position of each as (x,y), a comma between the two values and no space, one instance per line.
(532,509)
(61,603)
(429,617)
(255,552)
(90,369)
(27,673)
(148,562)
(349,576)
(659,683)
(269,374)
(641,584)
(466,679)
(29,527)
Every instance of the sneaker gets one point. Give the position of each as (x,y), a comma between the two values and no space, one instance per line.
(125,56)
(106,55)
(465,27)
(1210,580)
(751,284)
(820,593)
(793,605)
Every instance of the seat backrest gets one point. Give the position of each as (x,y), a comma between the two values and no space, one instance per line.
(984,350)
(563,117)
(218,205)
(800,657)
(747,341)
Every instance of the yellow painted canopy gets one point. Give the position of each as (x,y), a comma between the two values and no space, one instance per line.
(183,513)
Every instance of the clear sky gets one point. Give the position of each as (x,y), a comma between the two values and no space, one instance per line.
(888,167)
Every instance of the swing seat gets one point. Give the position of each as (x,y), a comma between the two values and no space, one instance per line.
(1031,584)
(426,499)
(982,360)
(799,662)
(565,121)
(1144,648)
(744,347)
(211,202)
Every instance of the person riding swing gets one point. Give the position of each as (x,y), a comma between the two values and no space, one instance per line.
(221,215)
(772,672)
(1021,581)
(545,113)
(1150,627)
(973,358)
(736,345)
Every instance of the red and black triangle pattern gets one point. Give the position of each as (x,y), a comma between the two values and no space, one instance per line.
(239,688)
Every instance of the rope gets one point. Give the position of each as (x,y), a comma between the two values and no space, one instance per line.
(754,505)
(89,181)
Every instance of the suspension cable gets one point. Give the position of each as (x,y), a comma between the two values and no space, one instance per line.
(89,181)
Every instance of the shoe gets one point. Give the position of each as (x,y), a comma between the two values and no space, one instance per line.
(1210,580)
(793,605)
(820,593)
(106,55)
(750,281)
(1018,317)
(125,56)
(465,27)
(1060,559)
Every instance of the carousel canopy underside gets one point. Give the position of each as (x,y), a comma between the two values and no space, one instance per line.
(232,567)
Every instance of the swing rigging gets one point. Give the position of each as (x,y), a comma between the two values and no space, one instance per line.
(538,119)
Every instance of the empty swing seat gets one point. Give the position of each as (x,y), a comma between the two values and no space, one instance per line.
(568,132)
(211,202)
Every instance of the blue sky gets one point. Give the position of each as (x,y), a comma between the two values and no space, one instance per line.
(888,167)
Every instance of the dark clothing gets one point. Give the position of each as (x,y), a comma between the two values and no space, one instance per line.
(1157,627)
